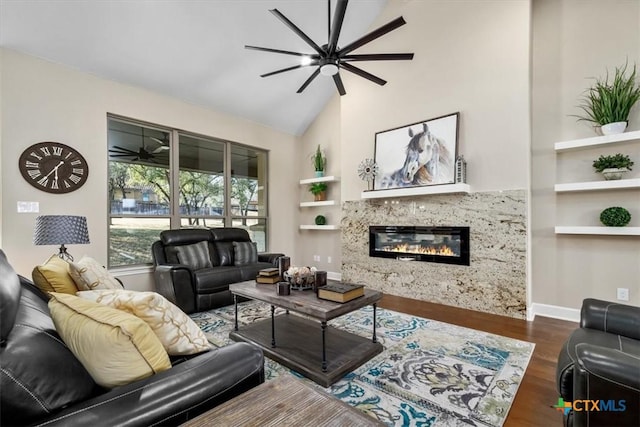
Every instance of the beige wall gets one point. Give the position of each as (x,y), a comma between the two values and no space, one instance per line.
(42,101)
(572,41)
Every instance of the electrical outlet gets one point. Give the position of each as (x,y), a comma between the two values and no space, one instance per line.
(329,259)
(316,257)
(623,294)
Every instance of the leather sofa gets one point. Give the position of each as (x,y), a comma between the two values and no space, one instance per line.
(195,290)
(600,361)
(42,383)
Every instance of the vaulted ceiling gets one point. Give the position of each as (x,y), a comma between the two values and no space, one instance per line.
(190,49)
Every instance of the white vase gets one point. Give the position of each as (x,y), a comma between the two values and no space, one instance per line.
(611,174)
(319,174)
(613,128)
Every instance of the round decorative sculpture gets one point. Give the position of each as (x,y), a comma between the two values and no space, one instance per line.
(615,217)
(367,171)
(321,220)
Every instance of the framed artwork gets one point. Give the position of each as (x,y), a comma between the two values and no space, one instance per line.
(419,154)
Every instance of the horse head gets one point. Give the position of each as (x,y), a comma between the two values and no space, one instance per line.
(410,167)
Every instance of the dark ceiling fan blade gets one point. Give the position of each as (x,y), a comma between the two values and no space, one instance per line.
(338,81)
(124,150)
(362,73)
(297,30)
(338,18)
(284,52)
(398,22)
(378,57)
(309,80)
(120,155)
(282,70)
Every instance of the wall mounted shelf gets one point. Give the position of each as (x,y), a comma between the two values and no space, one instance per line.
(316,204)
(319,227)
(596,141)
(417,191)
(319,179)
(604,231)
(620,184)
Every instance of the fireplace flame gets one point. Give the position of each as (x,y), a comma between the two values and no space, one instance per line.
(443,250)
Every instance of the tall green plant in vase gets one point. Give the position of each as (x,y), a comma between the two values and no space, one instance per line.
(319,162)
(609,101)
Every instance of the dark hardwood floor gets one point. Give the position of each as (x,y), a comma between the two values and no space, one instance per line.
(537,394)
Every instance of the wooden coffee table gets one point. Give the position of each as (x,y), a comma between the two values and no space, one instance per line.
(307,344)
(284,401)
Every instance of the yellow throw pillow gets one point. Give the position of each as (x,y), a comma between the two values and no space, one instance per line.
(88,275)
(53,276)
(176,331)
(115,347)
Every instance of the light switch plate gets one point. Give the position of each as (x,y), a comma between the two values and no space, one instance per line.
(28,207)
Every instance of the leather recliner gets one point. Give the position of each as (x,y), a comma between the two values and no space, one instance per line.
(42,382)
(205,288)
(600,362)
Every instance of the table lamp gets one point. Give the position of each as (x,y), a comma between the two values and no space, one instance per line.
(61,230)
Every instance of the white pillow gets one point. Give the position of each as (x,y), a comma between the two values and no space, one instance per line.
(177,332)
(89,274)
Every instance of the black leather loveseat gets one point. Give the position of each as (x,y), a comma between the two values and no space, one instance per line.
(598,372)
(42,382)
(203,288)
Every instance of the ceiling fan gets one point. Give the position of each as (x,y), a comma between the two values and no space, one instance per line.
(143,153)
(329,58)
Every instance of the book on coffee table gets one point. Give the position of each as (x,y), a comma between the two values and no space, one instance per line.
(269,272)
(340,292)
(268,279)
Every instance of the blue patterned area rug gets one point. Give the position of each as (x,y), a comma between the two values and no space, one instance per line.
(429,374)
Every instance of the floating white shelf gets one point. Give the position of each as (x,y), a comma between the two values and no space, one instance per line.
(619,184)
(611,231)
(596,141)
(314,204)
(417,191)
(319,227)
(320,179)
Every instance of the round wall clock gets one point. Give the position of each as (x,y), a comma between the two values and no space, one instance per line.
(53,167)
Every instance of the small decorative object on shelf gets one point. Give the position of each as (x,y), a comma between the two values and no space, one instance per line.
(300,278)
(320,280)
(461,170)
(614,166)
(615,217)
(319,162)
(368,171)
(321,220)
(319,191)
(283,288)
(608,102)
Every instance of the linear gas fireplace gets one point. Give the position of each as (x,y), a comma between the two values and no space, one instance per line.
(448,245)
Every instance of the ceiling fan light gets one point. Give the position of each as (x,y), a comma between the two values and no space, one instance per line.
(306,60)
(329,69)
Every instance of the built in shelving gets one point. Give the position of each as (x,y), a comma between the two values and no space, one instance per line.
(316,204)
(620,184)
(596,141)
(417,191)
(319,179)
(604,231)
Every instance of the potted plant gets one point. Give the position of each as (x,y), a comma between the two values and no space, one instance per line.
(319,191)
(615,216)
(608,103)
(319,162)
(612,167)
(321,220)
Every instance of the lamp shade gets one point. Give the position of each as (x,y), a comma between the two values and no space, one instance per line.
(61,230)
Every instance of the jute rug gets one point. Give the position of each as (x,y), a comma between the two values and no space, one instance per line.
(429,374)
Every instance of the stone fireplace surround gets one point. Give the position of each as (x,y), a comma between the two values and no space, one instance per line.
(495,282)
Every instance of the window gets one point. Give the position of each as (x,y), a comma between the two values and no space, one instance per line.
(214,183)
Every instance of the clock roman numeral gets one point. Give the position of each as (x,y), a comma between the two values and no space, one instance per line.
(57,151)
(43,181)
(54,184)
(45,151)
(75,179)
(68,155)
(66,183)
(79,171)
(33,153)
(76,162)
(31,164)
(34,173)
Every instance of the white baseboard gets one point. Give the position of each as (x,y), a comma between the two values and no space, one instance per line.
(554,311)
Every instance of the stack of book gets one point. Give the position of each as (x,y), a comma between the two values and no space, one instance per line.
(268,276)
(340,292)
